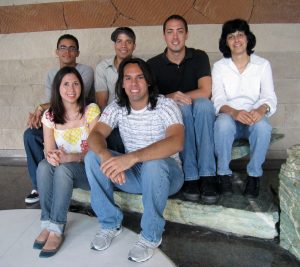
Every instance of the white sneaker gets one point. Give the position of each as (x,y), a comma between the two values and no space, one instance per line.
(103,238)
(33,197)
(142,250)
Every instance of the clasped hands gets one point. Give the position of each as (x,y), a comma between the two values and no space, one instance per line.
(56,156)
(114,167)
(248,117)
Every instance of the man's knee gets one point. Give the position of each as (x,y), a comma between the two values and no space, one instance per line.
(203,106)
(91,158)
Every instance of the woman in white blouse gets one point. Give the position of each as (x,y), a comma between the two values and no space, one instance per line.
(66,126)
(244,98)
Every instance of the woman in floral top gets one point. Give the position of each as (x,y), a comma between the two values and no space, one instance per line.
(66,127)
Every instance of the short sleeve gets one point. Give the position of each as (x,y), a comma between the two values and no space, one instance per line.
(47,119)
(92,111)
(109,115)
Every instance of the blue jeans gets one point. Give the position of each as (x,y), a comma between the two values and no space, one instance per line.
(34,148)
(154,179)
(198,156)
(55,189)
(227,130)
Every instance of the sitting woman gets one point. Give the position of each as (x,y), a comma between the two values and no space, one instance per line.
(244,98)
(66,127)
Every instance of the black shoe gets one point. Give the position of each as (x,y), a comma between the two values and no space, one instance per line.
(252,187)
(33,197)
(209,190)
(191,191)
(225,185)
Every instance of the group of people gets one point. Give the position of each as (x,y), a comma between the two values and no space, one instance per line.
(165,124)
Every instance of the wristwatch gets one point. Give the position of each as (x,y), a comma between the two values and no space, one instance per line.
(267,107)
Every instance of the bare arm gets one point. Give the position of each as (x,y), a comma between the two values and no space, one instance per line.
(114,167)
(203,90)
(101,99)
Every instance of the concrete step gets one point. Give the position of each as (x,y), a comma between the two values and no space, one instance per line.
(235,214)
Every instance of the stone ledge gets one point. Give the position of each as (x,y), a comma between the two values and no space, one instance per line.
(241,222)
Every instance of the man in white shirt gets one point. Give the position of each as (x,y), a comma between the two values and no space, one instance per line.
(152,130)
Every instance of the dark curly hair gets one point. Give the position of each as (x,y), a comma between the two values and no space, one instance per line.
(232,26)
(122,98)
(57,108)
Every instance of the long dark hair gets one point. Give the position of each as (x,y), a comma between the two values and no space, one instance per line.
(57,108)
(232,26)
(122,98)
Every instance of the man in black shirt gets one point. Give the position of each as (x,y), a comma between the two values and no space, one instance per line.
(183,74)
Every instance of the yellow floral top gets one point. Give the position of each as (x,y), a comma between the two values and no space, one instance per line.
(73,140)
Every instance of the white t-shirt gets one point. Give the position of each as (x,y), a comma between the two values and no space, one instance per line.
(141,128)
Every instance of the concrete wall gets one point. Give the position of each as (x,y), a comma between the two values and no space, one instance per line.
(26,57)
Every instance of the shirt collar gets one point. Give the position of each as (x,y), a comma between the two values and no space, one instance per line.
(188,55)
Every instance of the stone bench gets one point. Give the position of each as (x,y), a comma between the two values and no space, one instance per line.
(235,214)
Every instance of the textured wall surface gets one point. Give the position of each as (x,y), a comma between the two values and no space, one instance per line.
(53,15)
(28,41)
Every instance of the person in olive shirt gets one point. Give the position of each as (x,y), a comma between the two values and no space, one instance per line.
(184,75)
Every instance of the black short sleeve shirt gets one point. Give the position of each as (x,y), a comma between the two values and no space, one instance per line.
(184,77)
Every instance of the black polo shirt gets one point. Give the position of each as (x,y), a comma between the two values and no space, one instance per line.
(184,77)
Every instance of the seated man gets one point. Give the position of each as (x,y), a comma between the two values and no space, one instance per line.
(183,74)
(106,75)
(67,50)
(152,132)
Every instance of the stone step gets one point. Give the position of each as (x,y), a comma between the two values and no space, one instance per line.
(236,214)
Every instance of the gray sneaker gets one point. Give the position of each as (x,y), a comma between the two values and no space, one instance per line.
(142,250)
(103,238)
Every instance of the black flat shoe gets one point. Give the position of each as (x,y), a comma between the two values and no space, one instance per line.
(49,253)
(38,244)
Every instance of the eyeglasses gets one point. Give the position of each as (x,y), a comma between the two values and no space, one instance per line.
(237,35)
(63,48)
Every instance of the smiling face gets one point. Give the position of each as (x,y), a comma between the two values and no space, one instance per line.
(70,88)
(124,46)
(67,53)
(135,86)
(237,43)
(175,35)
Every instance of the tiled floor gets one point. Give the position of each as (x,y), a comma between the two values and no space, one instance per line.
(187,246)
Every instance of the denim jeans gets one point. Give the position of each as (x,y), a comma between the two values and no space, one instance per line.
(34,148)
(55,189)
(154,179)
(198,156)
(227,130)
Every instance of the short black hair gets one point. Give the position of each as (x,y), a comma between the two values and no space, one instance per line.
(232,26)
(126,30)
(122,98)
(176,17)
(70,37)
(57,107)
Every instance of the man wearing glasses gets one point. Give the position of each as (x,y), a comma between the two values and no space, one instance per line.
(67,51)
